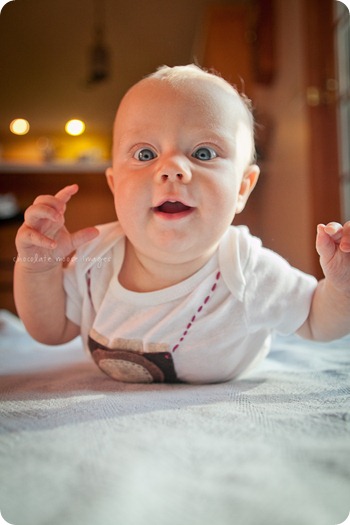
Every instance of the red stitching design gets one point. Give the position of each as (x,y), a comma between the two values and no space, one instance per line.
(199,309)
(88,282)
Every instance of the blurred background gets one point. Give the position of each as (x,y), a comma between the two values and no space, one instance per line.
(65,64)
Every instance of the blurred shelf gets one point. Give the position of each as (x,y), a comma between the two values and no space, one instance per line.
(8,167)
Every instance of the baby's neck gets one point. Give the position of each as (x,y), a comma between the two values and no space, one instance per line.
(141,274)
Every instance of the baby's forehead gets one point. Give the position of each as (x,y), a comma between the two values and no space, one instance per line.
(211,93)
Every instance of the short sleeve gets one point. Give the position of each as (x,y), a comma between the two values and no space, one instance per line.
(91,262)
(74,300)
(277,295)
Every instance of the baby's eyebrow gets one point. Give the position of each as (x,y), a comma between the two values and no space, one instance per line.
(126,135)
(129,139)
(211,136)
(221,140)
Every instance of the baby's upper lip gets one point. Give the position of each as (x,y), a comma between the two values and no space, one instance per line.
(175,200)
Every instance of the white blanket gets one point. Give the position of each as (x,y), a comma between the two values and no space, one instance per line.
(77,448)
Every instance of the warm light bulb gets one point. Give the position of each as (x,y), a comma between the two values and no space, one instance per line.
(75,127)
(19,126)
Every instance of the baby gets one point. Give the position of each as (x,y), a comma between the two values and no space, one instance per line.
(172,292)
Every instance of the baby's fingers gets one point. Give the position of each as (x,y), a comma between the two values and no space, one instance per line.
(334,230)
(67,192)
(37,212)
(58,201)
(50,208)
(331,237)
(29,237)
(339,234)
(345,241)
(325,245)
(82,236)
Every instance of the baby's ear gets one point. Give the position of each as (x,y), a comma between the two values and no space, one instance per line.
(110,179)
(249,180)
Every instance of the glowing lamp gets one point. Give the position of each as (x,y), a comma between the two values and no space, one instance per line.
(75,127)
(19,126)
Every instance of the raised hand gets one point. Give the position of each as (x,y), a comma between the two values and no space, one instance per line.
(333,247)
(43,241)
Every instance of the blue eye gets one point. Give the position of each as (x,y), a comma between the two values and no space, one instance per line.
(204,153)
(145,154)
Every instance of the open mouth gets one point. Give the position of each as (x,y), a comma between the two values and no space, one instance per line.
(170,207)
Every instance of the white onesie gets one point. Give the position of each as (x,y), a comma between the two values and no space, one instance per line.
(211,327)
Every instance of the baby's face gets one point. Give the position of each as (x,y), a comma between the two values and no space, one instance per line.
(179,174)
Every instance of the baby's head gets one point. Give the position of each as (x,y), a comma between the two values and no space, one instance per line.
(183,148)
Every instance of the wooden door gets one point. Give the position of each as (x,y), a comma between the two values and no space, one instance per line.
(321,93)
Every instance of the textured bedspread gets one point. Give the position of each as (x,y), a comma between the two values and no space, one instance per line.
(77,448)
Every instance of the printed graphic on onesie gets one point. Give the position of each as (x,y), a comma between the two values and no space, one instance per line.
(124,360)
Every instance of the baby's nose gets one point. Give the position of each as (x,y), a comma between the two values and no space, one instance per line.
(174,170)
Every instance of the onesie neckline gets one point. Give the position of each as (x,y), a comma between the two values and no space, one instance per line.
(165,294)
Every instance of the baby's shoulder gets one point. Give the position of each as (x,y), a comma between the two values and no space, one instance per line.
(239,244)
(110,235)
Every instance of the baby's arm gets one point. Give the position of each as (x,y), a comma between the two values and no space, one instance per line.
(43,243)
(329,317)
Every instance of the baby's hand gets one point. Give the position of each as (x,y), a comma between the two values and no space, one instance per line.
(43,241)
(333,247)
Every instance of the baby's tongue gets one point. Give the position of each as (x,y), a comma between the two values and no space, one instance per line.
(173,207)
